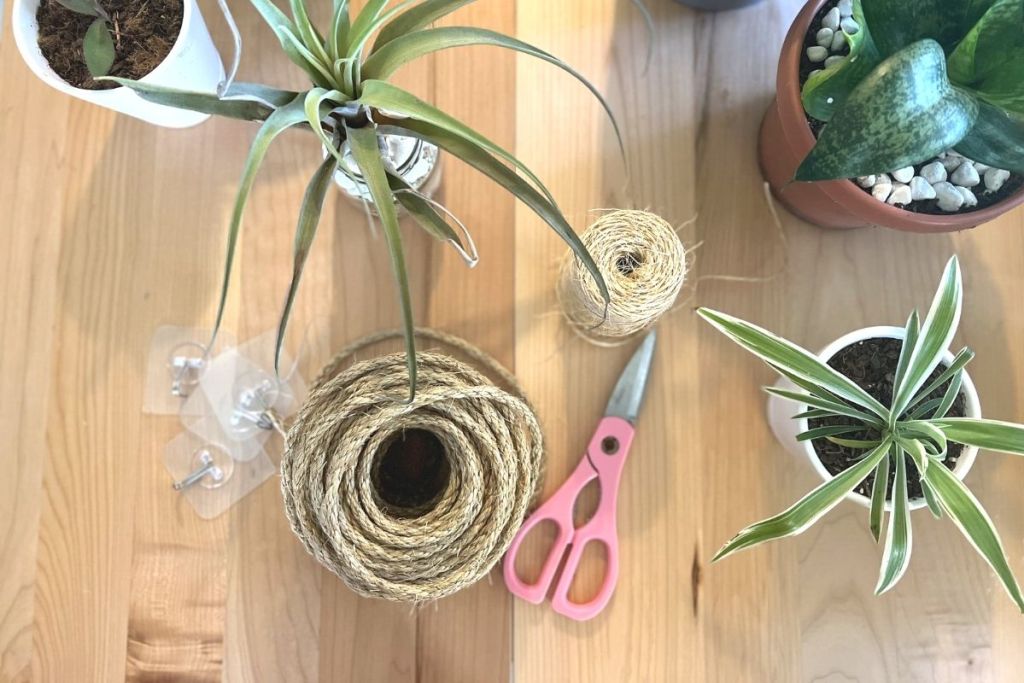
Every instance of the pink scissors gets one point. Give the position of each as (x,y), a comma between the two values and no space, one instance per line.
(603,460)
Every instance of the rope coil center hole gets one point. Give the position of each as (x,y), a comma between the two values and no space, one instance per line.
(412,473)
(629,263)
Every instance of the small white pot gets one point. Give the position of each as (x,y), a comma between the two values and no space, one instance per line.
(192,64)
(785,428)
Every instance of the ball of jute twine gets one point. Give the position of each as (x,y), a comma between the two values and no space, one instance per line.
(644,266)
(492,442)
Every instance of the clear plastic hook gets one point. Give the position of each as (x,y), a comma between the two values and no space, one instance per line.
(178,358)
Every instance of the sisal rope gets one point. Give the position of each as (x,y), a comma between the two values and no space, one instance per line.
(644,266)
(492,442)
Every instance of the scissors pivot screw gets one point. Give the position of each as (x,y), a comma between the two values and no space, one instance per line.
(610,445)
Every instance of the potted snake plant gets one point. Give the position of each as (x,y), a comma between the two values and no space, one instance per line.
(69,44)
(903,114)
(889,418)
(358,115)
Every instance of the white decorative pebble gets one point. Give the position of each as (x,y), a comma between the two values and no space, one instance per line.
(831,20)
(949,197)
(845,8)
(969,198)
(816,53)
(994,179)
(951,162)
(900,194)
(834,59)
(849,25)
(866,180)
(903,175)
(934,172)
(824,37)
(921,188)
(981,168)
(838,41)
(882,188)
(965,175)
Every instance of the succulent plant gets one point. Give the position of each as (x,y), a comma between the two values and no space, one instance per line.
(98,44)
(350,103)
(920,78)
(910,435)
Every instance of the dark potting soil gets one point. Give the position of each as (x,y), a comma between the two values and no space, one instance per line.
(927,206)
(145,32)
(872,365)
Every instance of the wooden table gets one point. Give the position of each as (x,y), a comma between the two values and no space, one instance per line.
(111,228)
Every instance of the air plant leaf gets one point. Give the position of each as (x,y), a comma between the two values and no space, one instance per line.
(422,211)
(316,99)
(246,101)
(416,18)
(281,120)
(383,95)
(305,232)
(903,112)
(369,20)
(936,334)
(963,508)
(337,37)
(286,32)
(899,538)
(98,47)
(363,143)
(312,40)
(809,509)
(802,363)
(403,49)
(879,488)
(826,91)
(507,178)
(992,435)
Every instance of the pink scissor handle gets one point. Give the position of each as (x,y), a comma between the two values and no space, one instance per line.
(557,509)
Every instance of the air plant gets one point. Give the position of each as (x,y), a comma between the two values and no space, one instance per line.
(911,434)
(350,105)
(98,44)
(921,77)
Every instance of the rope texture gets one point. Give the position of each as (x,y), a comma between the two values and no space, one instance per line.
(494,448)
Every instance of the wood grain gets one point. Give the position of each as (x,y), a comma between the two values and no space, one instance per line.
(110,228)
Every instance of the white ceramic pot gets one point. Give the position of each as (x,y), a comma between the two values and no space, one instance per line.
(785,428)
(192,64)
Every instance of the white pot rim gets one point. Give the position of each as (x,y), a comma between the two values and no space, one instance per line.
(27,41)
(970,392)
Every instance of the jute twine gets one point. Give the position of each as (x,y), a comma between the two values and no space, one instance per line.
(644,266)
(492,442)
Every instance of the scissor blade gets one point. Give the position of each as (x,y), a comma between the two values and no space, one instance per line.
(629,390)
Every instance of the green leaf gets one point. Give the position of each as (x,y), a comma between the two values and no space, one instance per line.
(785,354)
(936,334)
(879,487)
(960,360)
(808,509)
(905,111)
(857,444)
(287,33)
(896,24)
(834,407)
(910,333)
(305,232)
(832,430)
(385,61)
(826,91)
(997,139)
(898,540)
(337,39)
(246,101)
(931,500)
(990,58)
(414,19)
(951,393)
(313,105)
(992,435)
(307,33)
(422,211)
(366,152)
(86,7)
(362,30)
(507,178)
(966,512)
(281,120)
(922,431)
(98,47)
(382,95)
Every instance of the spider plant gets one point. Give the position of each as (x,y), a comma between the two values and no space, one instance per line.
(911,435)
(350,103)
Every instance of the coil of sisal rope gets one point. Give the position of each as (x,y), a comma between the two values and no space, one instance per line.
(644,265)
(475,465)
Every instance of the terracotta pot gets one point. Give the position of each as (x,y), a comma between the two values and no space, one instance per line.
(785,428)
(786,139)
